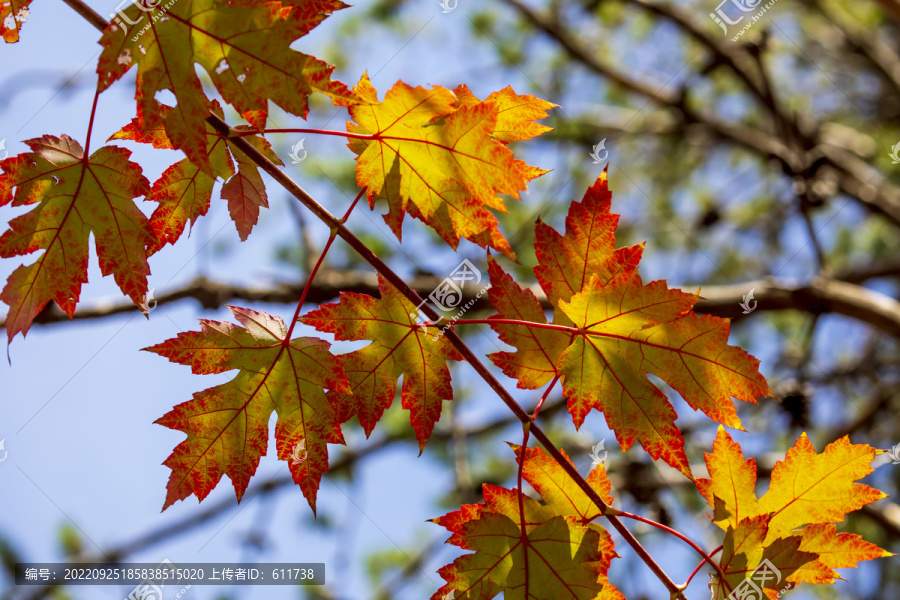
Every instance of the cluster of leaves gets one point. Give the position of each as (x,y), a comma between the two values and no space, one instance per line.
(555,550)
(245,49)
(444,157)
(792,525)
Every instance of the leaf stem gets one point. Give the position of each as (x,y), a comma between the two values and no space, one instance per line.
(344,134)
(87,141)
(537,409)
(381,136)
(353,205)
(706,557)
(684,585)
(315,269)
(518,322)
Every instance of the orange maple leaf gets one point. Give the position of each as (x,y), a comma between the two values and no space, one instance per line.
(399,347)
(565,263)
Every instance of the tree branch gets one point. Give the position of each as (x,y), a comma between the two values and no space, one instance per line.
(821,296)
(741,63)
(855,178)
(856,39)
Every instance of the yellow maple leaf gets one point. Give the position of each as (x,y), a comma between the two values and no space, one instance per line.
(442,158)
(792,525)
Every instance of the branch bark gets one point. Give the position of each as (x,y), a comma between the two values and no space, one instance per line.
(821,296)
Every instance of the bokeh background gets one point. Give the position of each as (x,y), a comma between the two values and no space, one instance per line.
(762,163)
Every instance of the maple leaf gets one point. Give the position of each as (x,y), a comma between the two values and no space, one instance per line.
(13,14)
(565,263)
(184,190)
(442,157)
(558,488)
(588,247)
(548,562)
(244,47)
(807,487)
(246,191)
(792,525)
(558,555)
(627,329)
(227,425)
(76,196)
(399,348)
